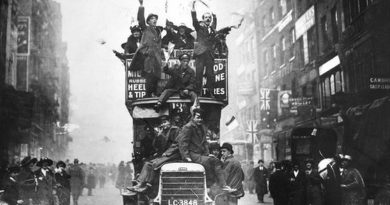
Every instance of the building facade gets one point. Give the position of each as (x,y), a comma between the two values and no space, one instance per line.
(35,81)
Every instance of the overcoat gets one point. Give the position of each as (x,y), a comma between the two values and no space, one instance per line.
(76,179)
(11,194)
(278,187)
(182,78)
(192,141)
(234,176)
(26,180)
(148,55)
(45,186)
(260,177)
(354,192)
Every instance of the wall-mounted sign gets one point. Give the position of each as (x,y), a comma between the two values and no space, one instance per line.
(305,22)
(379,83)
(23,37)
(22,73)
(300,101)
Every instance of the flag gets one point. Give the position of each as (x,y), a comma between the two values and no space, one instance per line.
(232,123)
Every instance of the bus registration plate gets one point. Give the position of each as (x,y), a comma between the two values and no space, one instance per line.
(182,202)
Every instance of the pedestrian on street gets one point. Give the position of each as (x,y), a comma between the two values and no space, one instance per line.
(313,184)
(120,180)
(11,187)
(147,58)
(46,182)
(91,181)
(278,185)
(250,180)
(260,176)
(63,183)
(76,181)
(352,184)
(128,174)
(297,185)
(203,49)
(26,180)
(234,175)
(102,180)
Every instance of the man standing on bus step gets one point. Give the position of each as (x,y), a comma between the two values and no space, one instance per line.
(182,81)
(260,176)
(147,58)
(193,147)
(203,49)
(167,151)
(234,175)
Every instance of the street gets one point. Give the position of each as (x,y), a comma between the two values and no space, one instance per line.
(110,195)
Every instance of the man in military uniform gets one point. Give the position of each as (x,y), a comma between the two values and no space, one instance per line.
(166,146)
(182,81)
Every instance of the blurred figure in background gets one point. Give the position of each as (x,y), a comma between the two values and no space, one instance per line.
(297,185)
(352,184)
(76,181)
(260,176)
(128,174)
(278,185)
(63,184)
(91,181)
(120,180)
(313,184)
(250,180)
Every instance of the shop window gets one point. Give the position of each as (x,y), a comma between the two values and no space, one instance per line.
(331,83)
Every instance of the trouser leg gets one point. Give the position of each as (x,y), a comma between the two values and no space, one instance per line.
(150,84)
(199,65)
(147,173)
(209,64)
(166,94)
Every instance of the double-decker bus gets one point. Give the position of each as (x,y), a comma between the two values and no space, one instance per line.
(178,182)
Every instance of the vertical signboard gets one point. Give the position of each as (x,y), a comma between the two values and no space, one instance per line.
(23,37)
(21,73)
(135,83)
(220,85)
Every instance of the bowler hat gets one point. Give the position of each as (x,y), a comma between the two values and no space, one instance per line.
(184,56)
(60,164)
(151,16)
(47,160)
(227,146)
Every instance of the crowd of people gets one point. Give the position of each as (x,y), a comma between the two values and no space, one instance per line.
(289,183)
(146,44)
(45,182)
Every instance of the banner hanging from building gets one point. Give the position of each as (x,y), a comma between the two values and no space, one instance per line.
(23,36)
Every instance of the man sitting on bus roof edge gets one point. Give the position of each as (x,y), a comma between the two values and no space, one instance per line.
(182,81)
(193,147)
(167,151)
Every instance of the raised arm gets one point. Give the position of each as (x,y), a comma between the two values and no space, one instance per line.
(141,15)
(195,22)
(214,24)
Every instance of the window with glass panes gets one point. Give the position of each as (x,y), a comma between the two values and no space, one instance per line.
(331,83)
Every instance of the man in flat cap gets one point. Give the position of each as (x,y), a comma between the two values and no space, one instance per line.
(352,184)
(182,82)
(147,58)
